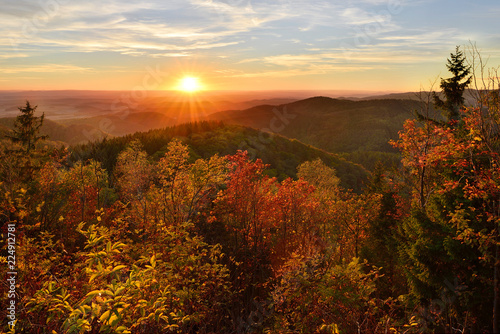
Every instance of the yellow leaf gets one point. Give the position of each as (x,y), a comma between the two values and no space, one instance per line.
(113,320)
(104,316)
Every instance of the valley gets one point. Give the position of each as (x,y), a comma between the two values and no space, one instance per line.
(338,125)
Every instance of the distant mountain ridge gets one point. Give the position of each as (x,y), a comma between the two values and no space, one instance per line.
(358,129)
(335,125)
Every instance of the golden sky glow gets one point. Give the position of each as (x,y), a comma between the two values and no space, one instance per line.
(389,45)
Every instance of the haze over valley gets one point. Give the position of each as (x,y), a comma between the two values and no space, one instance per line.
(117,113)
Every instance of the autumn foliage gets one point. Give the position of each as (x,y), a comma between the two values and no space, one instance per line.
(178,245)
(174,242)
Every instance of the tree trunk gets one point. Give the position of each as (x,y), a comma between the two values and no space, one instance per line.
(421,190)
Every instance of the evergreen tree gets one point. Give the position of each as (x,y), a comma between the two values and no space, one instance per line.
(448,241)
(381,247)
(27,127)
(454,87)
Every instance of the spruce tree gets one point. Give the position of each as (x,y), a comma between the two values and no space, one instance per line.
(27,127)
(453,88)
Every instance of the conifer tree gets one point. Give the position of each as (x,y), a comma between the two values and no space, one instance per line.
(27,127)
(454,87)
(447,242)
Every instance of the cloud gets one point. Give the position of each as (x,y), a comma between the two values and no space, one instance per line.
(382,56)
(117,26)
(294,72)
(157,27)
(20,9)
(373,22)
(417,38)
(275,38)
(45,68)
(13,55)
(302,60)
(273,74)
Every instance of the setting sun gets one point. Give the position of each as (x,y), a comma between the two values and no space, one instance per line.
(190,84)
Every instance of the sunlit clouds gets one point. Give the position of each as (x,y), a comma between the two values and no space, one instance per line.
(278,42)
(43,68)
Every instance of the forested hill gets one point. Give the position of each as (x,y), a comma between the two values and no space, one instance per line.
(359,129)
(208,138)
(335,125)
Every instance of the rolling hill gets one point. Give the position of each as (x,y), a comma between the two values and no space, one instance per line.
(357,129)
(120,125)
(334,125)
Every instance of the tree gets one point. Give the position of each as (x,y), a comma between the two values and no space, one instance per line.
(381,246)
(134,175)
(295,218)
(486,90)
(173,178)
(27,128)
(449,242)
(352,216)
(184,187)
(315,295)
(244,205)
(319,175)
(173,284)
(454,87)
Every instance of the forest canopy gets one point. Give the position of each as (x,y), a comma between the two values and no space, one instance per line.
(201,228)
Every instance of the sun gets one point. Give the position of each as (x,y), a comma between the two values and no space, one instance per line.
(190,84)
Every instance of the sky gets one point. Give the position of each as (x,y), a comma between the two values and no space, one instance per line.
(360,45)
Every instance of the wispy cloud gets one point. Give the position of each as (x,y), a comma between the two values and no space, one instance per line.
(335,59)
(239,38)
(421,39)
(187,25)
(118,27)
(45,68)
(294,72)
(358,16)
(13,55)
